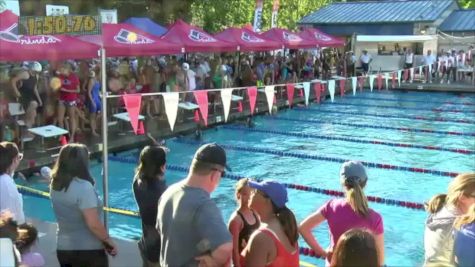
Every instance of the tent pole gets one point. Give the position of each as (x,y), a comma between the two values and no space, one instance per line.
(105,149)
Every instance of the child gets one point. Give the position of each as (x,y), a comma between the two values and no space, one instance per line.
(243,221)
(28,236)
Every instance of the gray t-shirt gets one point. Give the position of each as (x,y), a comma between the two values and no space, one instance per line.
(73,233)
(190,224)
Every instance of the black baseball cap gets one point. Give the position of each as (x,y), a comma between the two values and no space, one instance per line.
(212,153)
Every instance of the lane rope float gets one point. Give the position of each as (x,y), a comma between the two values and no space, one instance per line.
(399,108)
(412,101)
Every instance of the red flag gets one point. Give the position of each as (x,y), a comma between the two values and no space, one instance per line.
(240,106)
(252,93)
(141,129)
(301,93)
(318,91)
(393,82)
(132,105)
(63,141)
(380,81)
(342,88)
(196,118)
(406,74)
(290,93)
(202,100)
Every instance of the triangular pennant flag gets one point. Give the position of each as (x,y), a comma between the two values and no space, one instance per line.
(306,90)
(393,81)
(226,95)
(141,129)
(290,93)
(331,89)
(196,117)
(399,72)
(252,93)
(63,141)
(380,81)
(202,100)
(342,87)
(353,84)
(132,105)
(411,70)
(171,107)
(301,94)
(318,91)
(406,75)
(386,79)
(269,90)
(371,82)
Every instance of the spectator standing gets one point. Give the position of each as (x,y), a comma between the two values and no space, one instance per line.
(345,214)
(190,224)
(429,59)
(465,238)
(365,59)
(355,248)
(451,66)
(10,198)
(350,64)
(409,62)
(148,186)
(82,239)
(94,102)
(68,98)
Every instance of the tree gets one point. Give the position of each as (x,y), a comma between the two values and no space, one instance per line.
(467,3)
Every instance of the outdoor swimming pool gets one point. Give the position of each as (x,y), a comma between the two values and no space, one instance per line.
(413,142)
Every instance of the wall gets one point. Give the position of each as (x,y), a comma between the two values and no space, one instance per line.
(367,29)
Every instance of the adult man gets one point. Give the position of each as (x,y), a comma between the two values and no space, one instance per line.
(191,226)
(409,62)
(429,59)
(350,64)
(365,61)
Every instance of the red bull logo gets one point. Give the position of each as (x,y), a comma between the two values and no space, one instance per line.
(251,38)
(129,37)
(8,36)
(198,36)
(291,37)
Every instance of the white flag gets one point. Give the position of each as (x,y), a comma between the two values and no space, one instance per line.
(411,70)
(354,80)
(171,107)
(270,96)
(306,90)
(386,78)
(371,82)
(331,89)
(399,72)
(226,95)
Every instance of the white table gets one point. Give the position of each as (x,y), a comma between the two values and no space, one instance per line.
(188,105)
(47,131)
(125,116)
(236,98)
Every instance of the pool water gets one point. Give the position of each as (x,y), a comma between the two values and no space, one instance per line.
(403,227)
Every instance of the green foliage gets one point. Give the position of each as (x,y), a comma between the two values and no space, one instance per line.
(467,3)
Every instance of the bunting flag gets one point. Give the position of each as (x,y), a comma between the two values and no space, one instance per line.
(361,82)
(306,90)
(171,107)
(380,82)
(386,79)
(196,117)
(290,93)
(132,105)
(393,82)
(318,91)
(252,93)
(202,100)
(411,70)
(353,84)
(331,89)
(399,72)
(63,141)
(406,75)
(141,129)
(269,90)
(371,82)
(226,95)
(342,87)
(301,93)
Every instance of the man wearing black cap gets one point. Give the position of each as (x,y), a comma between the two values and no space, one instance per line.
(190,223)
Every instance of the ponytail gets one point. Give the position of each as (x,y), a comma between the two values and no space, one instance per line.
(288,222)
(436,203)
(357,199)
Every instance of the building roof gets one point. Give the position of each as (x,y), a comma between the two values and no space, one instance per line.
(394,11)
(459,21)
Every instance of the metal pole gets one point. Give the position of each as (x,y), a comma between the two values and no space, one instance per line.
(105,152)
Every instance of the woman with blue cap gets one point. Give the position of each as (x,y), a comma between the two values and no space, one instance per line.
(275,242)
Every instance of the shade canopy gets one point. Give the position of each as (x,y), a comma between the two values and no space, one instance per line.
(147,25)
(247,40)
(323,39)
(288,39)
(123,39)
(193,39)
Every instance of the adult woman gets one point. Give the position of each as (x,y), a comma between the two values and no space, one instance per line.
(81,237)
(10,198)
(443,211)
(68,97)
(355,248)
(275,242)
(344,214)
(465,239)
(148,186)
(243,221)
(94,102)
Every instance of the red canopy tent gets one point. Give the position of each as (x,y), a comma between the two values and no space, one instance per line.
(323,39)
(247,40)
(288,39)
(123,39)
(14,47)
(193,39)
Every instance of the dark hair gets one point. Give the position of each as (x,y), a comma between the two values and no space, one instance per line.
(8,226)
(355,248)
(73,162)
(151,160)
(27,236)
(8,152)
(288,222)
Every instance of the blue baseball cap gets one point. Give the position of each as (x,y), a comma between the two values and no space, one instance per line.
(273,189)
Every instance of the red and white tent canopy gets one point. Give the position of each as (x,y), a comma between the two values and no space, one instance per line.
(288,39)
(193,39)
(247,40)
(323,39)
(123,39)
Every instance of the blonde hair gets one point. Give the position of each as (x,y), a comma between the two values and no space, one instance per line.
(241,184)
(468,218)
(356,197)
(463,184)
